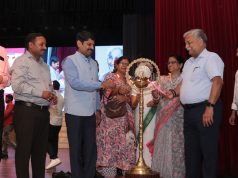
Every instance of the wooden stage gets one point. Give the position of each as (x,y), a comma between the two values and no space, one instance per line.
(7,166)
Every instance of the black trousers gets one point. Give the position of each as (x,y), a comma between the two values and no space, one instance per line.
(53,140)
(201,143)
(31,127)
(82,145)
(1,119)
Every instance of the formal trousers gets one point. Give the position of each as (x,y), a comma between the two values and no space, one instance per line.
(81,132)
(31,127)
(201,143)
(53,140)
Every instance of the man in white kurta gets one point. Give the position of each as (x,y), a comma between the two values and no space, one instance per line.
(234,105)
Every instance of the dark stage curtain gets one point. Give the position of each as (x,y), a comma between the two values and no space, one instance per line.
(63,52)
(218,18)
(139,30)
(138,36)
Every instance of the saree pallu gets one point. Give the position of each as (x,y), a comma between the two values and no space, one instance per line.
(168,143)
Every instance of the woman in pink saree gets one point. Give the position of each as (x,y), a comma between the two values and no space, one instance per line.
(115,136)
(168,143)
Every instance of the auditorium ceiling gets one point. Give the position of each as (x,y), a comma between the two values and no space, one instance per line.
(59,20)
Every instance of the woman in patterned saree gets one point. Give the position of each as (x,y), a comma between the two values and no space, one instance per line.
(114,148)
(168,154)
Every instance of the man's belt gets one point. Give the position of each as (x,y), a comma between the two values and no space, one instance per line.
(193,105)
(32,105)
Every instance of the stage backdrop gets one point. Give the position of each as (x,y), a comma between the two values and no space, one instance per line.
(218,18)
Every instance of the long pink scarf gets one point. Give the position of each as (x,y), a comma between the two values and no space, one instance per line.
(162,118)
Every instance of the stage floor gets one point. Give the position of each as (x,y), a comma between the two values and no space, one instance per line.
(7,166)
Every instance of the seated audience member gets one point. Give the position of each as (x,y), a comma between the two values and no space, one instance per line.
(7,126)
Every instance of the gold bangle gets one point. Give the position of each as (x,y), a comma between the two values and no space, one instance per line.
(156,99)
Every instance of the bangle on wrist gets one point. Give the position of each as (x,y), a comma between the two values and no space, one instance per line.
(156,99)
(119,93)
(173,93)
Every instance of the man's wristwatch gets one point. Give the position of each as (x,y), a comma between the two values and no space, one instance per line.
(210,104)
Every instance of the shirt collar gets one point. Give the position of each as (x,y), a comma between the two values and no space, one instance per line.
(87,59)
(29,55)
(201,55)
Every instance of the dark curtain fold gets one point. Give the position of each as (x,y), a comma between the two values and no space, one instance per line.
(139,30)
(63,52)
(218,18)
(138,36)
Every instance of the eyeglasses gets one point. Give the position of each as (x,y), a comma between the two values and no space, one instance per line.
(172,62)
(124,64)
